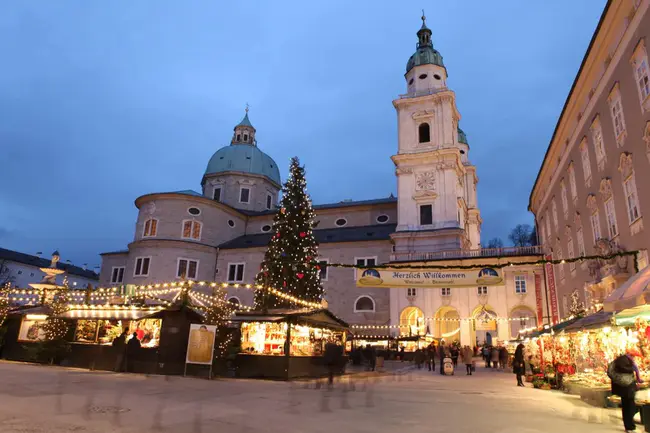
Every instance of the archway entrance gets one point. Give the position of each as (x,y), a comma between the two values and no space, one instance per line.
(412,321)
(522,317)
(485,325)
(447,324)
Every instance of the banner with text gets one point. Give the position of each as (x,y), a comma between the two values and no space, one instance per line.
(538,299)
(432,278)
(552,291)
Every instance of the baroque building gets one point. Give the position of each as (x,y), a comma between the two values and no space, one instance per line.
(221,233)
(589,197)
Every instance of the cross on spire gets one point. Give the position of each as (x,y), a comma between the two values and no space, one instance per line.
(247,107)
(424,18)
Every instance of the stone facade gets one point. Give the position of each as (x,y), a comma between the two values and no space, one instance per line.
(597,163)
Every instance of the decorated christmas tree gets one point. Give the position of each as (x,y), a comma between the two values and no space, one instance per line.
(289,262)
(219,312)
(54,327)
(577,307)
(4,302)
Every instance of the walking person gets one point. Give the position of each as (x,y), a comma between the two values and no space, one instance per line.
(624,375)
(503,358)
(494,358)
(468,355)
(486,356)
(333,355)
(132,350)
(518,365)
(119,346)
(418,357)
(454,355)
(432,349)
(441,353)
(427,357)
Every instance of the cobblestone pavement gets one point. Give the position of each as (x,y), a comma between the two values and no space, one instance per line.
(35,399)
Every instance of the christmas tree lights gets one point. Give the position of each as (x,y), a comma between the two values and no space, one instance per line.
(289,264)
(54,327)
(4,303)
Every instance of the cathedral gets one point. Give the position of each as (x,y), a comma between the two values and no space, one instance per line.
(220,233)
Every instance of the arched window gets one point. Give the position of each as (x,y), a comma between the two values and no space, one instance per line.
(424,133)
(150,228)
(191,230)
(234,300)
(364,304)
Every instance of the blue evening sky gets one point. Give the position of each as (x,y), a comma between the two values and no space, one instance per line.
(103,101)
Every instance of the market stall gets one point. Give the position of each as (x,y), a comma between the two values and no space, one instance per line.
(285,344)
(92,329)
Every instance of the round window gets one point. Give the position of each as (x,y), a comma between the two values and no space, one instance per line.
(382,218)
(436,76)
(423,76)
(194,211)
(231,223)
(411,81)
(266,228)
(341,222)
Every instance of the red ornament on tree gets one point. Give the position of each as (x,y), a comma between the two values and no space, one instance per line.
(303,234)
(284,283)
(300,275)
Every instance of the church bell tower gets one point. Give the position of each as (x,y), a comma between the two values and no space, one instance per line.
(436,183)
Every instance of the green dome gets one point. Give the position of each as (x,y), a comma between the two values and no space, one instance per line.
(462,138)
(243,158)
(425,54)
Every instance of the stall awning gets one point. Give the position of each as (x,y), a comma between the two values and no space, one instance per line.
(319,318)
(592,321)
(108,313)
(634,292)
(555,328)
(627,317)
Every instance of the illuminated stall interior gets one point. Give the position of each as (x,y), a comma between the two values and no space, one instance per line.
(308,332)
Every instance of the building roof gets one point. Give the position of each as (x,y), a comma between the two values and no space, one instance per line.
(28,259)
(340,204)
(379,232)
(243,158)
(188,192)
(425,54)
(245,121)
(566,103)
(462,138)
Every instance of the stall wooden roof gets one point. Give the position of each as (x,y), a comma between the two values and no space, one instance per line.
(320,317)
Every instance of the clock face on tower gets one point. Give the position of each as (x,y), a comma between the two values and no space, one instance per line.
(425,181)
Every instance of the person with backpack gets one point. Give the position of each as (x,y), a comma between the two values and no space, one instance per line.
(625,376)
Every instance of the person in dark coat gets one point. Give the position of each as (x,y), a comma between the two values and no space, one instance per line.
(432,350)
(625,375)
(132,349)
(428,355)
(332,357)
(119,346)
(418,358)
(441,353)
(401,353)
(518,365)
(503,357)
(454,355)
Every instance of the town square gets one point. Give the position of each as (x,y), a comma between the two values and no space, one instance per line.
(210,219)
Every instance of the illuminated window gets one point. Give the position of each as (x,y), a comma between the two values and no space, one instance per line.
(187,268)
(150,228)
(191,230)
